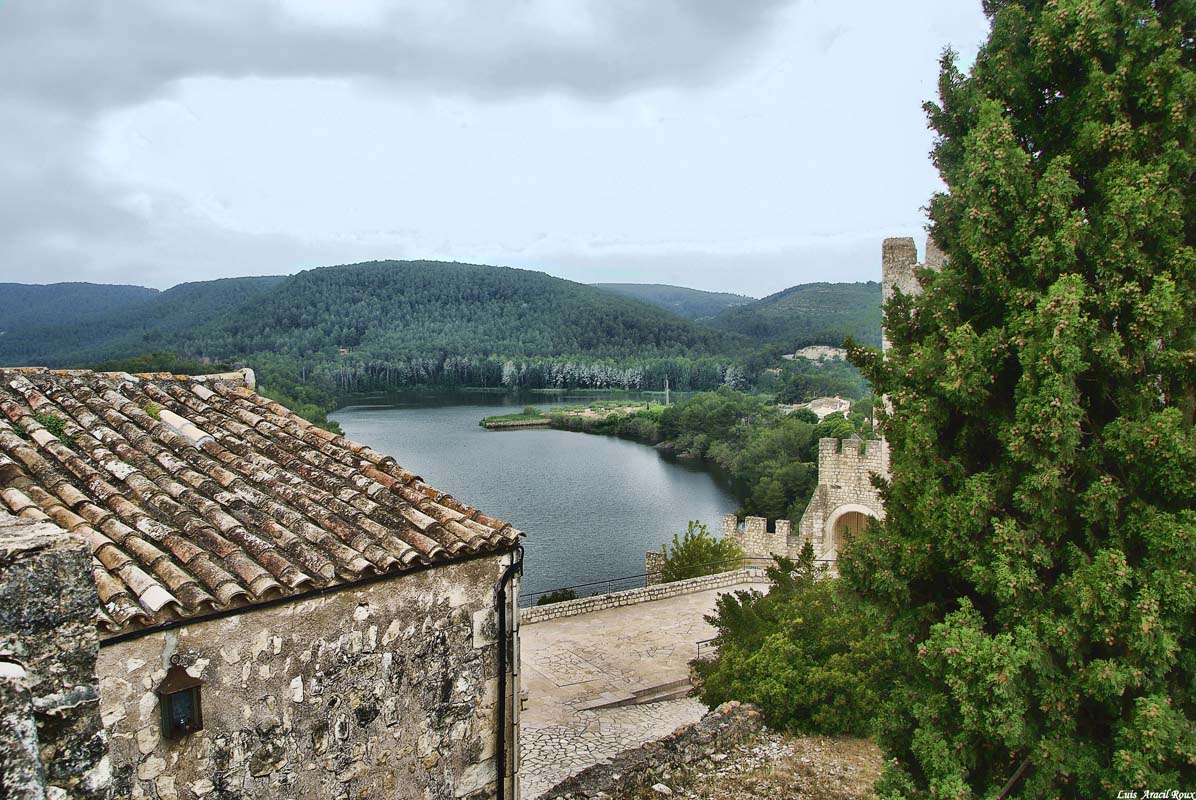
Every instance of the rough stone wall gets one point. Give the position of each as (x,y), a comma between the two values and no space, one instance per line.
(51,740)
(654,567)
(584,605)
(899,265)
(387,690)
(754,538)
(636,769)
(845,470)
(757,542)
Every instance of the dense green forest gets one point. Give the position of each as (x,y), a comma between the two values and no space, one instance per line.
(688,303)
(80,324)
(812,313)
(391,324)
(27,306)
(334,331)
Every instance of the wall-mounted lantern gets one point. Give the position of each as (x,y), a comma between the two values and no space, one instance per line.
(179,699)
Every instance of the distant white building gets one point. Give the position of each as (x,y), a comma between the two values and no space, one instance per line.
(823,407)
(818,352)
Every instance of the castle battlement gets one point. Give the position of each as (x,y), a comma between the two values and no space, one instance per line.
(899,267)
(754,538)
(853,454)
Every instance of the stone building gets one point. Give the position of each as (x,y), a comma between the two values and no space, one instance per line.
(843,502)
(845,497)
(352,631)
(899,269)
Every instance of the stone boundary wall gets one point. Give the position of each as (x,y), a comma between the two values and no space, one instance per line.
(638,768)
(52,742)
(630,597)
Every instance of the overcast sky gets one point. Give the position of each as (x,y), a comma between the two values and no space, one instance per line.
(721,144)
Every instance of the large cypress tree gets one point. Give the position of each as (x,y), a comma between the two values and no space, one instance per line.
(1038,559)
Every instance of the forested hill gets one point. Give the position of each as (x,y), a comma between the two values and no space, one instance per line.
(70,324)
(394,323)
(389,324)
(811,313)
(402,309)
(25,305)
(688,303)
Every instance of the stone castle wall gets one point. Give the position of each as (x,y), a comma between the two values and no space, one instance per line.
(899,266)
(52,743)
(757,542)
(654,567)
(845,471)
(630,597)
(388,690)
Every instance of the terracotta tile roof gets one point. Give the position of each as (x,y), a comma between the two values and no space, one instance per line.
(197,494)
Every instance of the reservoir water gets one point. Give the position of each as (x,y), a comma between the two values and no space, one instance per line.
(590,505)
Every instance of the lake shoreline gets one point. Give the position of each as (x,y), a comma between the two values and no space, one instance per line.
(591,506)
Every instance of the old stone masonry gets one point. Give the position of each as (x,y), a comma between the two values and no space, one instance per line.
(846,496)
(843,501)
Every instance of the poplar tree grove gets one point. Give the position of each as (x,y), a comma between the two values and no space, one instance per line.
(1036,563)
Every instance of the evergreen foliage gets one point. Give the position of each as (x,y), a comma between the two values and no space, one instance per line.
(556,596)
(805,380)
(688,303)
(697,553)
(806,652)
(1036,560)
(807,314)
(102,325)
(35,305)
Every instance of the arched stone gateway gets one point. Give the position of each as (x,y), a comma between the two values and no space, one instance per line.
(844,496)
(843,523)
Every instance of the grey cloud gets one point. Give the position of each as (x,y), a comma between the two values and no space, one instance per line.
(66,62)
(104,53)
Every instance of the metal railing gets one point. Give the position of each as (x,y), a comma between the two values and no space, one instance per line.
(707,650)
(641,581)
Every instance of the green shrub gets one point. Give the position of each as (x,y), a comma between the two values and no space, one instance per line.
(556,596)
(805,415)
(806,653)
(52,422)
(699,553)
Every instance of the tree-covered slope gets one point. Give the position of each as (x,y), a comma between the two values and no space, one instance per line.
(35,305)
(400,309)
(684,302)
(69,326)
(811,313)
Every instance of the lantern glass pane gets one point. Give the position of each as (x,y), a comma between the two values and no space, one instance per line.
(182,710)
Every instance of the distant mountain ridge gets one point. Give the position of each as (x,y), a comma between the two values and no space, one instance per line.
(68,324)
(23,305)
(689,303)
(388,324)
(809,314)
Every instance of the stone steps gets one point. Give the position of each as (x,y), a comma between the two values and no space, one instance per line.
(674,689)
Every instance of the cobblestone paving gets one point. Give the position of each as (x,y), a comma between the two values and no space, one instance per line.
(571,662)
(551,754)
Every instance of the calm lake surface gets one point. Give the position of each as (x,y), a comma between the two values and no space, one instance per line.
(590,505)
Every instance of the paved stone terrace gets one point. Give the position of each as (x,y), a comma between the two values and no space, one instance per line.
(572,663)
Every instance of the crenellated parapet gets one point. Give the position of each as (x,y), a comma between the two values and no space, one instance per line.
(757,541)
(845,497)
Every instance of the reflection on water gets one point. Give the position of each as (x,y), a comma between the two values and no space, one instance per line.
(590,505)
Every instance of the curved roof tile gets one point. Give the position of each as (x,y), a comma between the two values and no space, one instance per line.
(197,494)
